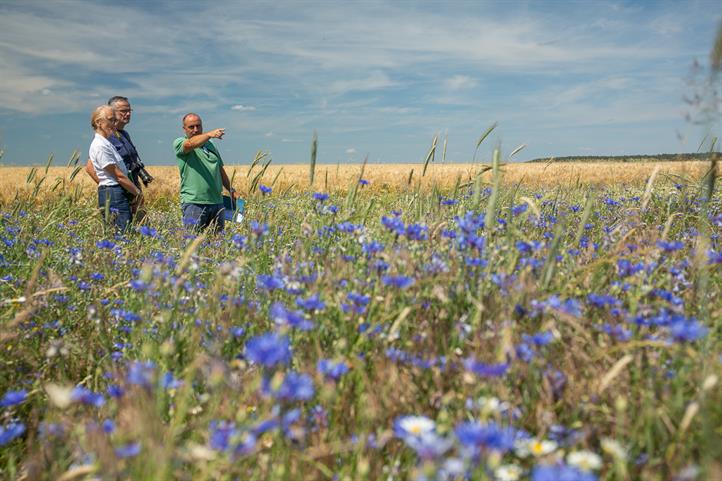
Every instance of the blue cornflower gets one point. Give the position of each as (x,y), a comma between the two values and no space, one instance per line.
(115,391)
(295,387)
(348,227)
(363,182)
(148,231)
(129,450)
(358,303)
(380,265)
(485,370)
(714,257)
(269,282)
(372,247)
(265,426)
(313,303)
(568,306)
(12,398)
(670,246)
(524,247)
(331,370)
(626,268)
(394,224)
(105,244)
(320,196)
(167,381)
(602,300)
(10,432)
(470,223)
(560,472)
(401,282)
(259,230)
(239,241)
(475,436)
(224,436)
(138,285)
(618,332)
(108,426)
(221,434)
(268,349)
(667,296)
(519,209)
(524,352)
(264,189)
(417,232)
(687,330)
(141,373)
(284,317)
(540,338)
(86,396)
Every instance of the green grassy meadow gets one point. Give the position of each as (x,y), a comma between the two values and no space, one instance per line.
(473,330)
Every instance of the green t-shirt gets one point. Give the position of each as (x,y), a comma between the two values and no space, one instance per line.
(200,173)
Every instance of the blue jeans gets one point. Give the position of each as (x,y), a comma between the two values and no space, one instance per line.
(119,203)
(200,216)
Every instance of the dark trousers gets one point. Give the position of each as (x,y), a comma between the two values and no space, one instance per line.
(119,205)
(200,216)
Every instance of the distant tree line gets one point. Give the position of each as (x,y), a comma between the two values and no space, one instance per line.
(629,158)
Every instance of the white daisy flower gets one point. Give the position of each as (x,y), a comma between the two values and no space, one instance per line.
(535,447)
(508,472)
(585,460)
(413,426)
(614,449)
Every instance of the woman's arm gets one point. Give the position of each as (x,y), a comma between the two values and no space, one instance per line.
(114,171)
(91,171)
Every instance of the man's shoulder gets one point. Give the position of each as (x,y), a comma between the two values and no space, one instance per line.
(115,140)
(178,143)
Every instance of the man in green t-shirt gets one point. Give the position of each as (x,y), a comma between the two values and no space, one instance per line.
(202,175)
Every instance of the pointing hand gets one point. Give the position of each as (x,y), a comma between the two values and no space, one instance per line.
(217,133)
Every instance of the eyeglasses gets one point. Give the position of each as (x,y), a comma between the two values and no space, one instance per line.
(124,111)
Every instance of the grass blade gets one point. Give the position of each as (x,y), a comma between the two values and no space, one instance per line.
(312,167)
(430,155)
(483,136)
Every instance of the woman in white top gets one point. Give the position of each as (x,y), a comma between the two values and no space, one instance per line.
(115,189)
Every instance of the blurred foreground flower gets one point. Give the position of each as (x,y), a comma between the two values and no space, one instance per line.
(560,472)
(268,349)
(585,460)
(10,432)
(12,398)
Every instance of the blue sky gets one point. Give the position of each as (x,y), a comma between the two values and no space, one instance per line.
(372,78)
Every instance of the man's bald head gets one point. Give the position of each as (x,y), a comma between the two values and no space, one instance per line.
(192,124)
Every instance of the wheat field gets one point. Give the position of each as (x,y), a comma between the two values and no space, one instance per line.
(381,177)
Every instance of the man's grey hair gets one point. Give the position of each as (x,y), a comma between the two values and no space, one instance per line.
(114,100)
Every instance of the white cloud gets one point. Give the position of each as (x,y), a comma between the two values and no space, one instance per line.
(243,108)
(351,151)
(377,80)
(458,82)
(268,134)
